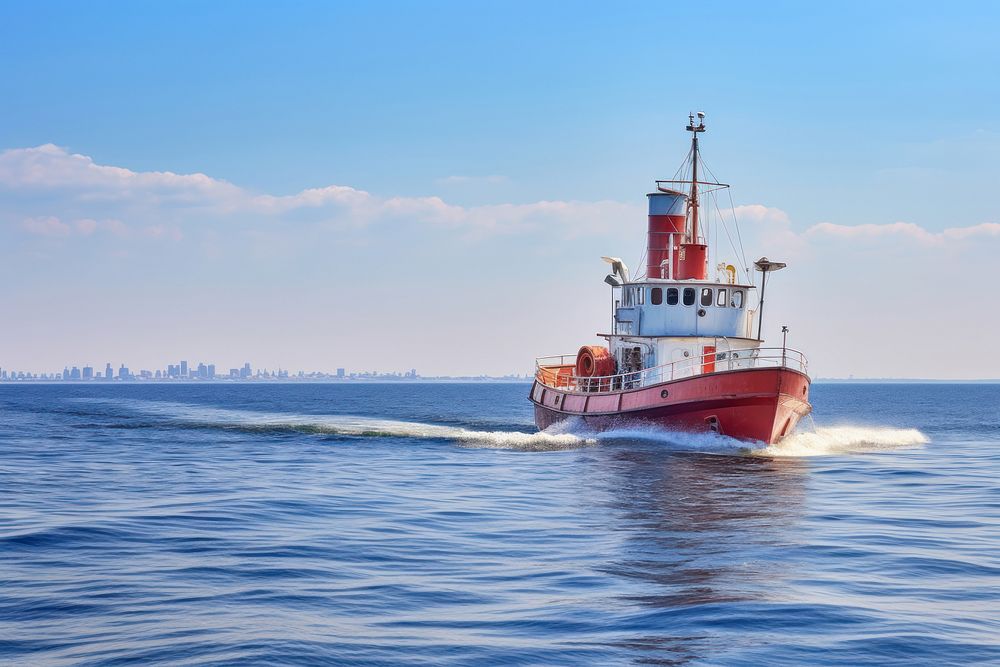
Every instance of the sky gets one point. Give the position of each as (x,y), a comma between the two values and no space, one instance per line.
(386,186)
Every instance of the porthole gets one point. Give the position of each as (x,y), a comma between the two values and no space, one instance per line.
(664,393)
(701,312)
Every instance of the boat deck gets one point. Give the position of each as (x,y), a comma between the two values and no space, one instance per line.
(559,371)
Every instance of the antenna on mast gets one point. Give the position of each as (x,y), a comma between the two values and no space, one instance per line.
(693,199)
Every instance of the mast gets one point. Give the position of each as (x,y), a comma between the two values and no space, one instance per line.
(693,200)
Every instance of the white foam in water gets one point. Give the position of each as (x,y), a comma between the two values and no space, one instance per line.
(825,441)
(351,425)
(708,443)
(818,441)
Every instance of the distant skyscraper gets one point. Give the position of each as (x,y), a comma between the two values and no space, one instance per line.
(202,371)
(108,372)
(211,371)
(74,374)
(184,369)
(245,373)
(123,373)
(340,373)
(88,372)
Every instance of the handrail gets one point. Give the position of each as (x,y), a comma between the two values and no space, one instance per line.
(559,371)
(562,360)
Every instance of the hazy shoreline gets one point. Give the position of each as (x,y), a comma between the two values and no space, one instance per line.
(441,380)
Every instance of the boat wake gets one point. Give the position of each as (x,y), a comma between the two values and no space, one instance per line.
(817,441)
(570,434)
(196,416)
(834,440)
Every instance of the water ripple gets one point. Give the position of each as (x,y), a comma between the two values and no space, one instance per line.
(430,524)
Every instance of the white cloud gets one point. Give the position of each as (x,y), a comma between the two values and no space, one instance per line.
(983,229)
(56,193)
(331,195)
(759,213)
(49,167)
(46,226)
(87,226)
(764,230)
(904,230)
(52,226)
(73,182)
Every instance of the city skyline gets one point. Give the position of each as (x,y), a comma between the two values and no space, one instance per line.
(183,371)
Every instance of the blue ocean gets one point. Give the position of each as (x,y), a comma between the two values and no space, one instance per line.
(429,524)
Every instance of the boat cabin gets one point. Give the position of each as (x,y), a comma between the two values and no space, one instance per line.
(677,308)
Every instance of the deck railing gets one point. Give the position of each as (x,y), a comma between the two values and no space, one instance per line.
(559,371)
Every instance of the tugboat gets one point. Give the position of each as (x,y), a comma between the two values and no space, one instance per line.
(681,353)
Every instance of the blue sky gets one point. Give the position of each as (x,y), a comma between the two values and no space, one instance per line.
(484,157)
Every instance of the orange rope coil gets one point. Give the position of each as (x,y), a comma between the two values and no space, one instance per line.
(594,361)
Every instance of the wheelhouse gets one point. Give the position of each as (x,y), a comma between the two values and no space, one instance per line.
(678,309)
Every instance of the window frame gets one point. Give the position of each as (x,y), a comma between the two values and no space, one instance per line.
(676,296)
(656,296)
(707,292)
(722,297)
(689,291)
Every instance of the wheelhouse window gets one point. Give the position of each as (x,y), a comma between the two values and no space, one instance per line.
(688,296)
(721,299)
(671,296)
(642,295)
(656,296)
(706,296)
(737,298)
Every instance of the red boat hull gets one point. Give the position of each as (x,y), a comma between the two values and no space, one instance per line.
(762,404)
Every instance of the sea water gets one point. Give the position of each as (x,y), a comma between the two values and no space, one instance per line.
(430,524)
